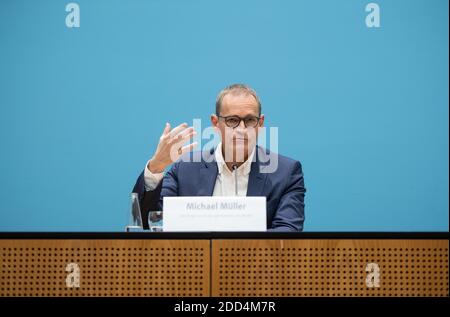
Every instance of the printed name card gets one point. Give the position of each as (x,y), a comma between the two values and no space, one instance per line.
(221,213)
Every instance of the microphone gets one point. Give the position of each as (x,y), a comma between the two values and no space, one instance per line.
(235,179)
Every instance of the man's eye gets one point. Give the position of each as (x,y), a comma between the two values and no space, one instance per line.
(233,120)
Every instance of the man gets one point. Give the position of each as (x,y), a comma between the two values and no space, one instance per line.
(237,119)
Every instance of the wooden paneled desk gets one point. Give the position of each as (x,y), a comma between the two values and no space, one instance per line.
(224,264)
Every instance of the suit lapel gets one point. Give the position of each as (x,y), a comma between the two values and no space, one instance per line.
(256,179)
(208,175)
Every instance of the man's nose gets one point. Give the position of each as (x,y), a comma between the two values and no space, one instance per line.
(241,125)
(240,130)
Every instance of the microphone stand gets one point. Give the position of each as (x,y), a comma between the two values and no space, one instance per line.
(235,179)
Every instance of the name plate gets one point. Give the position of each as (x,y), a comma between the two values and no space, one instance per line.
(224,213)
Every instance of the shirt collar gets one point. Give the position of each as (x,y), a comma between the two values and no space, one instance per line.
(221,165)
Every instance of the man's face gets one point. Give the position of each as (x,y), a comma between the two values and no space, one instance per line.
(238,142)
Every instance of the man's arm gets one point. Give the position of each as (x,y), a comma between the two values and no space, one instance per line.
(290,213)
(151,199)
(149,186)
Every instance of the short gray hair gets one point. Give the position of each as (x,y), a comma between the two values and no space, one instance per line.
(236,89)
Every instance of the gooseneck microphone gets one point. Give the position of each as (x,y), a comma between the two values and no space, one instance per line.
(235,179)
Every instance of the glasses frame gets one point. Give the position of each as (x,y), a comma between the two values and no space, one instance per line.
(240,119)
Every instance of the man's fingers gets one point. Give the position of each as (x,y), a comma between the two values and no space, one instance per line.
(177,130)
(189,135)
(166,129)
(184,133)
(182,138)
(176,151)
(180,141)
(188,148)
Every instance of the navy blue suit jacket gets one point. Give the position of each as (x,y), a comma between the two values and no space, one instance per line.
(283,188)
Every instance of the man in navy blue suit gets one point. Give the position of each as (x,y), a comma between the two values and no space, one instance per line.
(237,166)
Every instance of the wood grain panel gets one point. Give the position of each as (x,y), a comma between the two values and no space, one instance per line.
(329,267)
(106,267)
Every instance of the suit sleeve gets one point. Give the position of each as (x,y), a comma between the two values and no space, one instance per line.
(290,213)
(152,200)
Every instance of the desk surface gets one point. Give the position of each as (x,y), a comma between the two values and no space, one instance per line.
(224,235)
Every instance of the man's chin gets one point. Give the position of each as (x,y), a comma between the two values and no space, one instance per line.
(240,151)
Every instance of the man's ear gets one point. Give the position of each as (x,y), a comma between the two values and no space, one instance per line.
(261,120)
(214,121)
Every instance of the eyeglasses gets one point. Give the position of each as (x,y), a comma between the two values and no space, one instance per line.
(235,121)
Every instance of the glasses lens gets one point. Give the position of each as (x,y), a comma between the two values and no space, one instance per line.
(232,121)
(251,122)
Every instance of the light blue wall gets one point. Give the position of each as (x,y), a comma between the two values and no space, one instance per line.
(364,110)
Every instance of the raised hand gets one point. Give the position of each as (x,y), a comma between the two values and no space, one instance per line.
(170,147)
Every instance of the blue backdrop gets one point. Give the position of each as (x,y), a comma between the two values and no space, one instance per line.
(364,109)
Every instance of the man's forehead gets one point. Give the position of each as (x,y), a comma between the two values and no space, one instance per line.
(245,102)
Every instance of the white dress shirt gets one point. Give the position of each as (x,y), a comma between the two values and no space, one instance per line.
(225,181)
